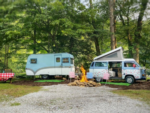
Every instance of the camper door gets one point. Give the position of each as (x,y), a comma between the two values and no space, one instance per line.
(100,68)
(66,63)
(129,69)
(58,65)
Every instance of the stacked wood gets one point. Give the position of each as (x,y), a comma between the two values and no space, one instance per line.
(84,84)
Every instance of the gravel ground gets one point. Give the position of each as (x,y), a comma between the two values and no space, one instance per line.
(71,99)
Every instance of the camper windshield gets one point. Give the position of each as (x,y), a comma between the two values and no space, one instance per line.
(72,60)
(101,64)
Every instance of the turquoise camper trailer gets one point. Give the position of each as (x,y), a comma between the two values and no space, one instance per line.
(48,65)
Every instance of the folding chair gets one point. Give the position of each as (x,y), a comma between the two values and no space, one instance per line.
(106,77)
(71,75)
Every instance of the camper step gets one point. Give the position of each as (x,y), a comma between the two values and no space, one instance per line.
(114,78)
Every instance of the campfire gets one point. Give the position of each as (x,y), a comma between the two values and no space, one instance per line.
(84,82)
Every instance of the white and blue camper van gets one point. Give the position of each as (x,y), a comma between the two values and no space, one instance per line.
(117,66)
(48,65)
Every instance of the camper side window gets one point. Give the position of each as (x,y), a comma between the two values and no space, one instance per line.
(65,60)
(33,61)
(57,59)
(101,64)
(71,60)
(129,64)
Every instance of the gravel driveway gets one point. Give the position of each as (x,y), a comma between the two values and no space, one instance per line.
(71,99)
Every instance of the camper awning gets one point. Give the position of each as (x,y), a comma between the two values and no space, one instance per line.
(116,54)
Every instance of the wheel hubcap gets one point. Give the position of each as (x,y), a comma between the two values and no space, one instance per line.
(129,80)
(98,79)
(44,76)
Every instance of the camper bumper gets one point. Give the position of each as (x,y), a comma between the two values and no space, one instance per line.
(143,78)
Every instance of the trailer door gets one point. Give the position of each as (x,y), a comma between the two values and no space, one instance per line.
(58,65)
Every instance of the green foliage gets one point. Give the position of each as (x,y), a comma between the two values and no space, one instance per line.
(54,26)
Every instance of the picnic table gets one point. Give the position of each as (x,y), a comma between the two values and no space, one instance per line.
(6,76)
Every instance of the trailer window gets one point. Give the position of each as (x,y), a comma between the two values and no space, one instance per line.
(33,61)
(71,59)
(65,60)
(101,64)
(57,59)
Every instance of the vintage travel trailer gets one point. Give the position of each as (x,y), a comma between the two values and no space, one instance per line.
(117,66)
(48,65)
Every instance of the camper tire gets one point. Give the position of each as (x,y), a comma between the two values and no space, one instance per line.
(97,79)
(130,79)
(45,76)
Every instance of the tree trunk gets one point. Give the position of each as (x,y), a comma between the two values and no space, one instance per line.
(115,31)
(139,29)
(71,45)
(53,44)
(115,25)
(49,43)
(144,62)
(129,36)
(130,45)
(136,55)
(111,8)
(96,41)
(34,39)
(6,56)
(97,46)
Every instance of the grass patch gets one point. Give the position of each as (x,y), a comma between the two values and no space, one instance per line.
(15,104)
(113,83)
(8,91)
(49,81)
(147,77)
(142,95)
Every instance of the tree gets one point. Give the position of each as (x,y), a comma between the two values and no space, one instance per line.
(138,36)
(112,24)
(132,29)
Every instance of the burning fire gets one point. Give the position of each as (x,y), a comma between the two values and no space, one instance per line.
(83,79)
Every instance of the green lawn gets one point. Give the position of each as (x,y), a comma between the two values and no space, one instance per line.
(147,77)
(143,95)
(49,81)
(9,91)
(115,83)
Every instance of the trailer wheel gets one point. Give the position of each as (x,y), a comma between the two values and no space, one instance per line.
(130,79)
(45,76)
(51,77)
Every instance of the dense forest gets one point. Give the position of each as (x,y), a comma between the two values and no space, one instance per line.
(84,28)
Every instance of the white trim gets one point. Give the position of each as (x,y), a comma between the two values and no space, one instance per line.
(119,48)
(29,72)
(115,60)
(51,71)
